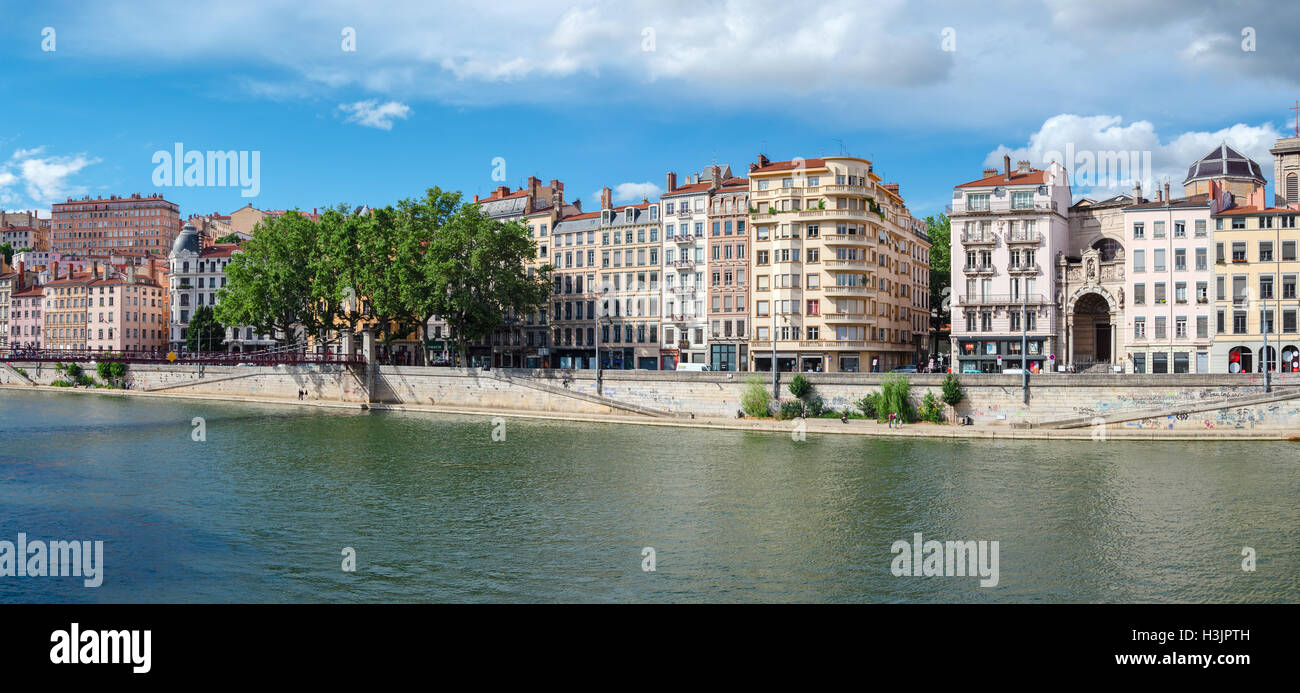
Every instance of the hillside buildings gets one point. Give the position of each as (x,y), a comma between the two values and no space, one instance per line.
(135,223)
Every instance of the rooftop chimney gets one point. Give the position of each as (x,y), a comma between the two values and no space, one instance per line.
(1137,192)
(1006,165)
(1160,194)
(989,172)
(672,181)
(1022,166)
(716,173)
(1167,197)
(606,198)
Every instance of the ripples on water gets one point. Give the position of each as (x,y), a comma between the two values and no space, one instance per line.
(559,511)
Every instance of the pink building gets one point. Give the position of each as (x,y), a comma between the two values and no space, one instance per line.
(1170,275)
(126,313)
(25,318)
(1007,229)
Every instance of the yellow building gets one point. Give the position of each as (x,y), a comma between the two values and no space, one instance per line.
(1256,272)
(836,264)
(65,311)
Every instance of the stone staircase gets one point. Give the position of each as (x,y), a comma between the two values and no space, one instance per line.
(562,391)
(1277,395)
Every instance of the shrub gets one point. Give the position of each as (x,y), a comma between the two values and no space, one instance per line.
(117,369)
(816,407)
(103,369)
(895,399)
(952,393)
(61,383)
(73,370)
(931,409)
(799,386)
(86,380)
(23,372)
(754,400)
(790,409)
(867,405)
(60,366)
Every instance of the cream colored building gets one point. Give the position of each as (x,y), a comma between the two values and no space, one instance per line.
(835,264)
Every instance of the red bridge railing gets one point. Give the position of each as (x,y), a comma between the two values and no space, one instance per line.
(207,358)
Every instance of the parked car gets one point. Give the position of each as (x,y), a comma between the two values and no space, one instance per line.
(904,369)
(441,362)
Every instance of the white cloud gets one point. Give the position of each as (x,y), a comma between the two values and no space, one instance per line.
(373,114)
(1099,135)
(44,179)
(635,192)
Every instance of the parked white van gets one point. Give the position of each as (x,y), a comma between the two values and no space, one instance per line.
(692,366)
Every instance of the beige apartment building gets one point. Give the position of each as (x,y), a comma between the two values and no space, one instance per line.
(835,263)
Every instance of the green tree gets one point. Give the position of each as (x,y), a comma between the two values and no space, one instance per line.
(8,251)
(270,281)
(204,332)
(940,231)
(230,238)
(419,221)
(476,267)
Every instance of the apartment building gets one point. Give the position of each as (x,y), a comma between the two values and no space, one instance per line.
(728,275)
(1255,277)
(830,262)
(1008,228)
(126,312)
(685,256)
(917,270)
(628,298)
(12,282)
(25,320)
(20,237)
(1168,313)
(524,341)
(66,305)
(146,224)
(195,276)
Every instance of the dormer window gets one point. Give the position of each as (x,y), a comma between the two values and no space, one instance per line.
(605,216)
(627,215)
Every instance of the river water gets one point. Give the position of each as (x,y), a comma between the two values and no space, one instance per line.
(441,508)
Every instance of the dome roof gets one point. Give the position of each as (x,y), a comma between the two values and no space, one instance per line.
(188,240)
(1224,162)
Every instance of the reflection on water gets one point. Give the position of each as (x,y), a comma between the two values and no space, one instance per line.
(559,511)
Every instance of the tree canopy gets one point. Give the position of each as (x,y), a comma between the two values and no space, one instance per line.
(391,269)
(204,333)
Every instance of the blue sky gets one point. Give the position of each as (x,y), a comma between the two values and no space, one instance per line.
(617,94)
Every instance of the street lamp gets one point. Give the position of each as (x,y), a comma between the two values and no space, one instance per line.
(600,311)
(776,387)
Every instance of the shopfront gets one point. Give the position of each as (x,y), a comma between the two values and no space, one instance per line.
(995,355)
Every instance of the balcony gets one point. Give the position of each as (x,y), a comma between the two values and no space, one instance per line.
(1001,300)
(833,318)
(690,289)
(683,264)
(1024,238)
(1023,268)
(684,238)
(978,238)
(855,239)
(837,290)
(1002,205)
(858,265)
(683,213)
(977,269)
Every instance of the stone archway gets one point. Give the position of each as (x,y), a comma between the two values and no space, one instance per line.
(1093,318)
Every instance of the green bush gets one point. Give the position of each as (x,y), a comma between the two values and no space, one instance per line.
(790,409)
(952,393)
(754,400)
(86,380)
(73,370)
(867,405)
(895,399)
(61,383)
(816,407)
(23,372)
(799,386)
(931,409)
(60,366)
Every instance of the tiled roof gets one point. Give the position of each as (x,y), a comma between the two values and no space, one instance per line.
(1243,209)
(776,166)
(1031,177)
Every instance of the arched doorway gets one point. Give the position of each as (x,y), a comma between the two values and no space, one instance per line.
(1091,329)
(1240,360)
(1290,359)
(1268,359)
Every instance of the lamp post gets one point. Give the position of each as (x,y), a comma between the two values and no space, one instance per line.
(600,310)
(1024,346)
